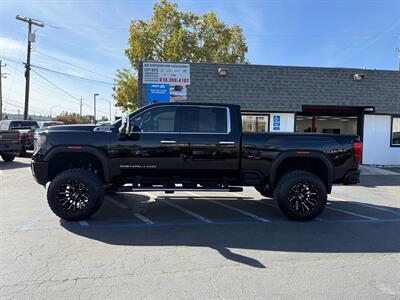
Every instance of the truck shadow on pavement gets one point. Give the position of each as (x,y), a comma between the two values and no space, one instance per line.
(380,180)
(13,165)
(335,235)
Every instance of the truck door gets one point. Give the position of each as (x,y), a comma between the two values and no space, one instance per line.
(152,150)
(212,146)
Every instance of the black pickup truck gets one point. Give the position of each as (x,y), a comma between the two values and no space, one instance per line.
(190,146)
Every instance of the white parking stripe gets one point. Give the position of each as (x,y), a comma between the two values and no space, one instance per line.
(117,203)
(238,210)
(143,218)
(350,213)
(187,211)
(368,205)
(83,223)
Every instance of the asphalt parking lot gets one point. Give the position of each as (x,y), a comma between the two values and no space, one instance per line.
(200,245)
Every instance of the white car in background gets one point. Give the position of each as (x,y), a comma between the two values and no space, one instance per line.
(49,123)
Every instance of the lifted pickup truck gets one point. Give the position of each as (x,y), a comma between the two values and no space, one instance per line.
(190,146)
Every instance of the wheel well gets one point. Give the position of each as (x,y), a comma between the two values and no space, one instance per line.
(63,161)
(310,164)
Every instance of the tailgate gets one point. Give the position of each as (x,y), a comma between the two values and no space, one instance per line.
(8,137)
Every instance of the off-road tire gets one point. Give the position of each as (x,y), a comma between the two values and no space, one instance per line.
(292,203)
(8,157)
(94,193)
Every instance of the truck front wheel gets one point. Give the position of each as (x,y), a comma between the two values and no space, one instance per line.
(75,194)
(301,195)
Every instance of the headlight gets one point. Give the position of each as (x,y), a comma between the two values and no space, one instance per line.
(40,140)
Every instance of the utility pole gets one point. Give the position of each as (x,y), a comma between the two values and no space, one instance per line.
(31,39)
(2,75)
(94,107)
(80,108)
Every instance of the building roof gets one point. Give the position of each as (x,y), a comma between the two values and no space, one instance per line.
(283,88)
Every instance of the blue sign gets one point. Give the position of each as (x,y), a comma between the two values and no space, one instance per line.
(276,123)
(157,93)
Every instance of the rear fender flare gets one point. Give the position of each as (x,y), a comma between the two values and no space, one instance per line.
(294,154)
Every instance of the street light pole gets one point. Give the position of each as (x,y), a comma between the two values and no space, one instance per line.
(94,107)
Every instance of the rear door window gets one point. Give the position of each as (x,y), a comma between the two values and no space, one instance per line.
(203,119)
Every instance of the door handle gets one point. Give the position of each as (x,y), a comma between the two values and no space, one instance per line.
(167,142)
(226,143)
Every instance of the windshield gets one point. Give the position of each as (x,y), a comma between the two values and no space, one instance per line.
(24,124)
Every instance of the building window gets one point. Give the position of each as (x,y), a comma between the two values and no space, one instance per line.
(255,123)
(395,136)
(327,124)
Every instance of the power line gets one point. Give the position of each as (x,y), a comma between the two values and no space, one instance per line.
(76,66)
(71,75)
(56,86)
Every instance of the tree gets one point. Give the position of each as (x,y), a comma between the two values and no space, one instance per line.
(172,35)
(73,118)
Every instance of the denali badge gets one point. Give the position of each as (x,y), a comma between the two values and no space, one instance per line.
(138,166)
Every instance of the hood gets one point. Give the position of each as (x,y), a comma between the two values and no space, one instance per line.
(75,127)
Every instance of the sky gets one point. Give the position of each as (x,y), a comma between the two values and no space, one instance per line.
(87,39)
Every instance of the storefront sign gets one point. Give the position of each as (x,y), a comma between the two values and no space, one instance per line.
(166,73)
(157,93)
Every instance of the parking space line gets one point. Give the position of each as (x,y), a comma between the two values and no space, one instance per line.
(193,214)
(83,223)
(368,205)
(143,218)
(117,203)
(238,210)
(36,219)
(351,213)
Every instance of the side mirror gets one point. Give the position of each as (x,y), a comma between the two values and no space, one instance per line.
(123,130)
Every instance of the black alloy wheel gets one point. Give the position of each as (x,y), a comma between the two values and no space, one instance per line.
(303,197)
(73,196)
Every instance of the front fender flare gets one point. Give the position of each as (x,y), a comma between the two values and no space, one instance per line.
(82,149)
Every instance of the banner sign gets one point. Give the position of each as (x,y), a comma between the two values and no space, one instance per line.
(166,73)
(157,93)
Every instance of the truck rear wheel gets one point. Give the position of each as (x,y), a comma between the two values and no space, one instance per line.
(8,157)
(300,195)
(75,194)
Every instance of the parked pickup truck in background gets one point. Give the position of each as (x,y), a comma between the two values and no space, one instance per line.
(10,145)
(188,146)
(26,129)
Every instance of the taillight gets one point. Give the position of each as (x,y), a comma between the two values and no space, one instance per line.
(358,148)
(18,135)
(29,136)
